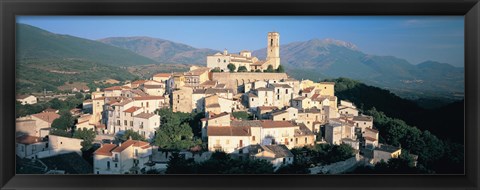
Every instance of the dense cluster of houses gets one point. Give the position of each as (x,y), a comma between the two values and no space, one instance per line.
(284,113)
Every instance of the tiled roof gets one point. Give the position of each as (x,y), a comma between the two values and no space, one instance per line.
(372,130)
(217,90)
(308,90)
(214,116)
(105,150)
(264,89)
(281,85)
(228,131)
(113,88)
(246,123)
(370,138)
(303,130)
(276,124)
(132,109)
(144,115)
(209,83)
(149,98)
(139,82)
(267,107)
(129,143)
(152,86)
(27,139)
(309,110)
(46,116)
(252,95)
(279,150)
(300,98)
(163,75)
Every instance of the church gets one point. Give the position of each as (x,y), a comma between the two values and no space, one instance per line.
(220,61)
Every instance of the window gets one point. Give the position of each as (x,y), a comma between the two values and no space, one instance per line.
(136,152)
(108,165)
(147,104)
(286,91)
(253,138)
(278,91)
(305,139)
(22,148)
(218,60)
(283,119)
(283,160)
(118,122)
(116,165)
(131,123)
(278,97)
(252,99)
(224,61)
(34,148)
(125,122)
(98,172)
(271,42)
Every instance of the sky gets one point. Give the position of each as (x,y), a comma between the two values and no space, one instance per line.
(414,38)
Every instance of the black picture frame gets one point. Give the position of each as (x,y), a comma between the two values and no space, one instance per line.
(10,8)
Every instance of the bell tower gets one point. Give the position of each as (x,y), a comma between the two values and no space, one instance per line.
(273,49)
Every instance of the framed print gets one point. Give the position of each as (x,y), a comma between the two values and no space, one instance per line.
(257,95)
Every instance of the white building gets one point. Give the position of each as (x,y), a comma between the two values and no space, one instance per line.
(129,157)
(28,146)
(26,99)
(278,155)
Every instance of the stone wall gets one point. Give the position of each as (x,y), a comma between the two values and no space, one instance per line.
(234,80)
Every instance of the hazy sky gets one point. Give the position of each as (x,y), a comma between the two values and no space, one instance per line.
(414,38)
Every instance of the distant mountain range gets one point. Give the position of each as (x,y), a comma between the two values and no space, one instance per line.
(162,51)
(314,59)
(35,43)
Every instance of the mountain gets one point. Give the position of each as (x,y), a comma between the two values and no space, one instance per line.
(35,43)
(334,58)
(160,50)
(45,60)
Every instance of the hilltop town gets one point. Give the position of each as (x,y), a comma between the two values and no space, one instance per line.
(247,108)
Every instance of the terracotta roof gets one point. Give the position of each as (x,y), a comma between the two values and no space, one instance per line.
(303,130)
(139,82)
(300,98)
(370,138)
(27,139)
(105,150)
(258,63)
(267,107)
(373,130)
(198,91)
(129,143)
(47,116)
(264,89)
(220,86)
(228,131)
(279,112)
(209,83)
(214,116)
(279,150)
(113,88)
(252,95)
(315,96)
(149,98)
(132,109)
(281,85)
(122,103)
(276,124)
(308,90)
(144,115)
(163,75)
(50,110)
(101,126)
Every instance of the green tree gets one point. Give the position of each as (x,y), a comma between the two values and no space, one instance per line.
(270,69)
(87,135)
(216,70)
(231,67)
(177,164)
(258,71)
(131,134)
(242,115)
(242,69)
(64,122)
(280,69)
(78,95)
